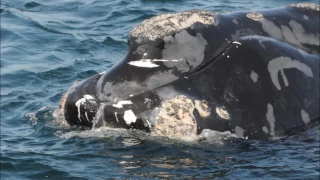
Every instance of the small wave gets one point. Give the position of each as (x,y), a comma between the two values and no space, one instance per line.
(32,4)
(133,137)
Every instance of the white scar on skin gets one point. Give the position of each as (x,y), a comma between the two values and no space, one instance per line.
(235,21)
(239,131)
(280,63)
(305,117)
(265,129)
(272,29)
(302,35)
(186,48)
(121,103)
(254,76)
(115,114)
(129,117)
(81,101)
(148,124)
(86,113)
(271,119)
(166,60)
(169,23)
(236,42)
(143,63)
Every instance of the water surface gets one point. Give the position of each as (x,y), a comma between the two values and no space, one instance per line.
(46,45)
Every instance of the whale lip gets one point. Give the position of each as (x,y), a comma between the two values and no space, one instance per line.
(60,112)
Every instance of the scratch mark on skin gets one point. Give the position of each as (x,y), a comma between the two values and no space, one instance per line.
(148,123)
(115,114)
(236,42)
(86,113)
(165,60)
(121,103)
(81,101)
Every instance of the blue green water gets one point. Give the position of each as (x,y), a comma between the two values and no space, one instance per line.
(46,45)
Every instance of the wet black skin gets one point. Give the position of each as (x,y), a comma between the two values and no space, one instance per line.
(222,79)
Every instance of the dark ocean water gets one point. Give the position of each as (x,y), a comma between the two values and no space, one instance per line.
(46,45)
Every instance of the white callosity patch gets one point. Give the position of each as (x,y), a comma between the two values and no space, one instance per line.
(305,117)
(165,24)
(265,129)
(270,28)
(239,131)
(121,103)
(305,17)
(146,63)
(175,118)
(255,16)
(281,63)
(59,113)
(203,108)
(271,119)
(312,6)
(129,117)
(185,47)
(222,112)
(254,76)
(81,101)
(302,35)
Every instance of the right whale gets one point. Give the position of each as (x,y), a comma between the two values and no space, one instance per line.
(255,74)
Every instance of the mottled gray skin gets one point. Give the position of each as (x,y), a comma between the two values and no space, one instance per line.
(255,74)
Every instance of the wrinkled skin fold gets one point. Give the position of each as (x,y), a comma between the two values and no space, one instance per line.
(255,74)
